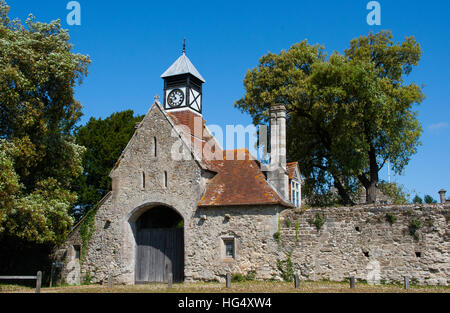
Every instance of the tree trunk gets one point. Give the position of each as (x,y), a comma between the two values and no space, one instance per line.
(371,193)
(371,184)
(343,193)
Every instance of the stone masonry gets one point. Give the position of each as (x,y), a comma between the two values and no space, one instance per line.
(362,242)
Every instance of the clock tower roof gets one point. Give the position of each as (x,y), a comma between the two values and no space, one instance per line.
(182,66)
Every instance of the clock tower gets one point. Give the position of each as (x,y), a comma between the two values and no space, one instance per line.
(183,86)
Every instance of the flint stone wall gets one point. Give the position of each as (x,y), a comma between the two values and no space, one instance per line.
(252,229)
(361,242)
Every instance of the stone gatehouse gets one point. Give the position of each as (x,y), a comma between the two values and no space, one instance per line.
(180,204)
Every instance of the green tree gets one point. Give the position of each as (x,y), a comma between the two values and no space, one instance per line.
(429,199)
(417,199)
(105,139)
(395,192)
(39,158)
(348,114)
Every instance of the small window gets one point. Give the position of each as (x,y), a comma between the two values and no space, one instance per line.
(229,248)
(165,179)
(143,180)
(77,250)
(295,193)
(155,147)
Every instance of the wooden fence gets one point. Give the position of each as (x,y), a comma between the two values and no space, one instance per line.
(38,279)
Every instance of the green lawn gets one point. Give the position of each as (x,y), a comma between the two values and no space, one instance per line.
(242,287)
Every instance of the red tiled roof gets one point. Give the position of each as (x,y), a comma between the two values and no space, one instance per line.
(195,131)
(239,179)
(239,182)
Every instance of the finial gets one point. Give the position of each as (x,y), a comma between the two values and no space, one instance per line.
(184,46)
(157,97)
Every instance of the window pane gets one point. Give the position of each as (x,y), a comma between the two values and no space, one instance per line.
(229,248)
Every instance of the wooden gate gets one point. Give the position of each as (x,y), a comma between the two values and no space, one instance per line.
(160,251)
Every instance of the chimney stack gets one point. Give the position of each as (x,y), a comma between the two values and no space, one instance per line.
(442,194)
(277,175)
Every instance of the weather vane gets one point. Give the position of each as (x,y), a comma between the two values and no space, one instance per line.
(184,46)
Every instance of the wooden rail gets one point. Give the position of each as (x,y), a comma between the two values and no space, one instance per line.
(38,279)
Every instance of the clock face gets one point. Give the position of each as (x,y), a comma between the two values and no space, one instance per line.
(175,98)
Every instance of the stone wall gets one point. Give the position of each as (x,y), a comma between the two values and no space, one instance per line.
(373,243)
(357,241)
(252,229)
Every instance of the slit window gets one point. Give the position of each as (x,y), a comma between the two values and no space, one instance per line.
(143,180)
(77,250)
(155,147)
(165,179)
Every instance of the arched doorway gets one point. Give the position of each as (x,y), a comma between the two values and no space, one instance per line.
(160,246)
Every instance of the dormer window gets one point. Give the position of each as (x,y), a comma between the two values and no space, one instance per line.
(295,193)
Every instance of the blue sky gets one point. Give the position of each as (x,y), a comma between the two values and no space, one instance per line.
(131,43)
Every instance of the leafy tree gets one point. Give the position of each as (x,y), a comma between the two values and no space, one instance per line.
(395,192)
(429,199)
(105,140)
(417,199)
(348,114)
(38,158)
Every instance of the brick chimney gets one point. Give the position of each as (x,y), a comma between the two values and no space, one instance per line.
(442,194)
(277,175)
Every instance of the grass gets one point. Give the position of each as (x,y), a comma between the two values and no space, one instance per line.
(241,287)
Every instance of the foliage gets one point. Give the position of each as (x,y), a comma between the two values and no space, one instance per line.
(318,222)
(87,227)
(286,268)
(9,180)
(87,279)
(287,223)
(180,225)
(251,276)
(414,226)
(391,218)
(348,114)
(394,191)
(237,278)
(39,159)
(277,237)
(417,199)
(429,199)
(319,195)
(105,139)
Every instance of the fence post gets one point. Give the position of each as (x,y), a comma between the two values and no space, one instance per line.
(296,281)
(228,280)
(38,282)
(352,282)
(110,281)
(170,280)
(406,282)
(51,274)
